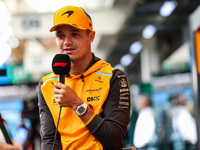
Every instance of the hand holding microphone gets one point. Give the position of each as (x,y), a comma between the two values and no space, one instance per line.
(61,65)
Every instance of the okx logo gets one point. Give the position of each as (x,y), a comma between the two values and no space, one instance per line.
(95,98)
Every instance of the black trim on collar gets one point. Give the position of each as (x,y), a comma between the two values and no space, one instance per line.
(93,61)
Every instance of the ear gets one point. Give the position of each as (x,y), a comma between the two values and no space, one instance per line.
(91,36)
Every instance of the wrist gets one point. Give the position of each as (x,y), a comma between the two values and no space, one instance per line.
(76,103)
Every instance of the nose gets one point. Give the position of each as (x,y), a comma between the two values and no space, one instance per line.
(68,40)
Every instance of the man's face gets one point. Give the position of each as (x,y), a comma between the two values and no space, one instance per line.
(141,103)
(74,42)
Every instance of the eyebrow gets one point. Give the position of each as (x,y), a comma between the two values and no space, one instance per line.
(57,32)
(73,30)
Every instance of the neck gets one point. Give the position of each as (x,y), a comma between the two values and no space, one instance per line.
(78,67)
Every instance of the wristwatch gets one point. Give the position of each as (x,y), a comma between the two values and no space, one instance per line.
(81,109)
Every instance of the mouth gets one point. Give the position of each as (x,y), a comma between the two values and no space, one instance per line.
(68,50)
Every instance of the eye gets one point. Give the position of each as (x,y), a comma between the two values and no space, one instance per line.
(60,36)
(75,34)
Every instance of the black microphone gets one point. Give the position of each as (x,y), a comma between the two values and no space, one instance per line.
(61,65)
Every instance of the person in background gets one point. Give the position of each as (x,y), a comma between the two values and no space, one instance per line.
(145,128)
(4,146)
(95,97)
(183,124)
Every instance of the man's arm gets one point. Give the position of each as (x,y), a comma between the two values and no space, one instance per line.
(47,126)
(110,128)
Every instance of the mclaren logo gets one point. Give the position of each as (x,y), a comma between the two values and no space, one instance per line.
(68,12)
(94,90)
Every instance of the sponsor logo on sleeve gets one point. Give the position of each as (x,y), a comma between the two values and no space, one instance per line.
(121,76)
(123,82)
(124,90)
(123,98)
(124,94)
(123,103)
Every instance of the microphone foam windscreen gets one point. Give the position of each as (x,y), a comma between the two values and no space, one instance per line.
(61,64)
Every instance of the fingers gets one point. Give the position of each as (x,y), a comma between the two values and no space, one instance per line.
(59,88)
(64,95)
(59,92)
(58,101)
(57,98)
(59,85)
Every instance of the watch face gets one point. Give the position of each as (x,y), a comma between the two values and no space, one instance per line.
(81,109)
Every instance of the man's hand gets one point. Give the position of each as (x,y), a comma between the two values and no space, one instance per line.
(65,96)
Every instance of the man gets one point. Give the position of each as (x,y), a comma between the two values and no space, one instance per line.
(95,97)
(182,122)
(145,133)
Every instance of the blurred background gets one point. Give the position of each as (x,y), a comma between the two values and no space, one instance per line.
(156,43)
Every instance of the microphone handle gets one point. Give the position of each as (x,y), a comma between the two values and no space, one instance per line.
(62,79)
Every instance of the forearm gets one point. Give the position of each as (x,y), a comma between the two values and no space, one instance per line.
(47,127)
(108,133)
(110,127)
(47,132)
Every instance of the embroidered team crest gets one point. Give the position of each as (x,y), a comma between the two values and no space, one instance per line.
(123,83)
